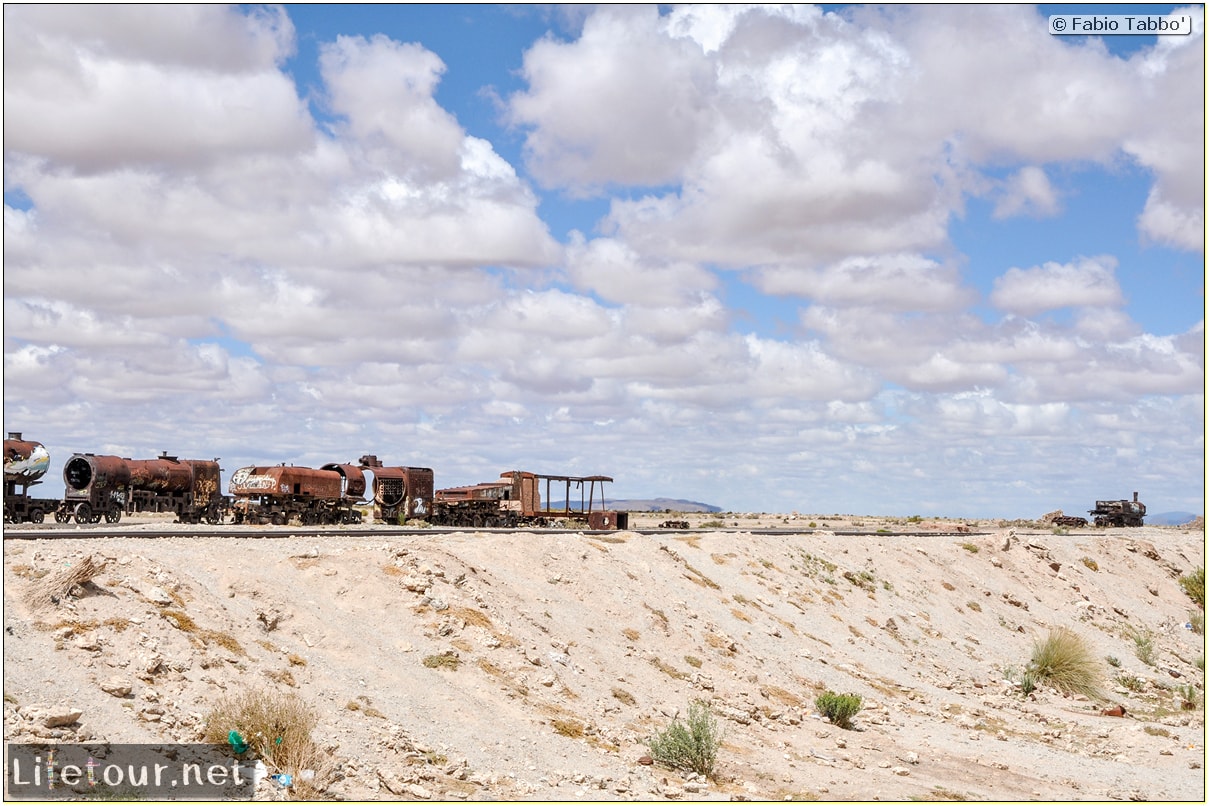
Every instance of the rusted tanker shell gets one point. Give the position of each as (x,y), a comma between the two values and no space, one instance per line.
(85,471)
(355,479)
(25,461)
(281,480)
(161,475)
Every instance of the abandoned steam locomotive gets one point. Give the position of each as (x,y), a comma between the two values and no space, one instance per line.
(102,486)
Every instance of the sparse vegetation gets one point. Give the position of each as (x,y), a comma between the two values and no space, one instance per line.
(446,660)
(1189,697)
(624,697)
(569,728)
(1090,563)
(970,547)
(839,708)
(690,745)
(1064,660)
(1144,647)
(1197,619)
(1113,661)
(1131,682)
(1194,585)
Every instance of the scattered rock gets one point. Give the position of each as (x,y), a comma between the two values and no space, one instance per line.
(157,595)
(117,686)
(52,716)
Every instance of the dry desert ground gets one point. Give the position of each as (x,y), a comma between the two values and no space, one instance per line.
(519,666)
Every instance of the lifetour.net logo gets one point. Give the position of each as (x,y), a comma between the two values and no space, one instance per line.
(125,771)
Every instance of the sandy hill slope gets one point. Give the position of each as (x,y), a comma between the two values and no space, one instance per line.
(518,666)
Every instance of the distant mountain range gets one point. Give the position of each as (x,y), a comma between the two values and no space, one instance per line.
(651,505)
(1169,518)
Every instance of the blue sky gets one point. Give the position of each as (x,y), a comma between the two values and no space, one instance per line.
(915,260)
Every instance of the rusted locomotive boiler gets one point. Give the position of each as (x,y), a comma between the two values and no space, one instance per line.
(399,493)
(516,500)
(107,486)
(25,463)
(280,493)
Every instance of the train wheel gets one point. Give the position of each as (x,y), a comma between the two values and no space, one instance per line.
(113,516)
(62,515)
(213,516)
(37,516)
(278,519)
(83,513)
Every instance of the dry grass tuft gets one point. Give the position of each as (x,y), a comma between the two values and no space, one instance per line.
(446,660)
(624,697)
(569,728)
(53,587)
(1065,661)
(277,728)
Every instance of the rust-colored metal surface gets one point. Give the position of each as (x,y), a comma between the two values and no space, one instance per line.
(88,472)
(401,491)
(353,484)
(286,480)
(165,474)
(516,499)
(25,461)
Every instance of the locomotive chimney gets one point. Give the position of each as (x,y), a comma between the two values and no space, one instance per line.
(1135,496)
(14,435)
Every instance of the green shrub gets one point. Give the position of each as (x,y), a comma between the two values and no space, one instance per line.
(838,708)
(1144,647)
(691,745)
(1194,585)
(1131,682)
(1065,661)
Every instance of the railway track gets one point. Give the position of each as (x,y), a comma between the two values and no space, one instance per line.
(100,530)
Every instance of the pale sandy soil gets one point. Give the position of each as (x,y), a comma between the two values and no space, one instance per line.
(575,648)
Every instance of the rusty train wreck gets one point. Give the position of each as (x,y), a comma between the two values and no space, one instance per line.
(104,486)
(99,486)
(516,500)
(25,463)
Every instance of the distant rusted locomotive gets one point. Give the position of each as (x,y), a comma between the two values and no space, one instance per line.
(101,486)
(516,500)
(1119,513)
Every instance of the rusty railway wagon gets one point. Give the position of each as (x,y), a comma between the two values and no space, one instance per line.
(102,486)
(25,463)
(516,500)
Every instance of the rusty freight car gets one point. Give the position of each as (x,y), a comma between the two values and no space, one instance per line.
(516,500)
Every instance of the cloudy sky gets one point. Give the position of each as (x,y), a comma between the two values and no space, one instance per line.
(906,260)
